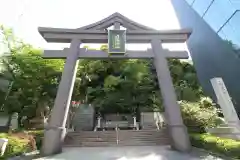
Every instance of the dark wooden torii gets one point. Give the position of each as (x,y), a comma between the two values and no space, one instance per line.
(97,33)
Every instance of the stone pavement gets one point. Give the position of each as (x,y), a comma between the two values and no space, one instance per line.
(128,153)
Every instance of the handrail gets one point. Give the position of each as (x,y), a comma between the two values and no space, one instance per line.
(117,138)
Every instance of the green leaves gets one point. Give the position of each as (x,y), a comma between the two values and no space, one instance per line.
(132,83)
(35,79)
(211,143)
(196,117)
(111,81)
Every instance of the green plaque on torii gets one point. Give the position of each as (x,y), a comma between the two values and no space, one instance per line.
(116,42)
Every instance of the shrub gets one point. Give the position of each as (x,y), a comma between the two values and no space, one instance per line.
(228,147)
(196,117)
(16,145)
(206,102)
(38,136)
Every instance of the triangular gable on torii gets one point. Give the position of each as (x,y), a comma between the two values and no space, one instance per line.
(96,32)
(116,17)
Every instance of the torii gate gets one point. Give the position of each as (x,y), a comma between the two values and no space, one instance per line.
(97,33)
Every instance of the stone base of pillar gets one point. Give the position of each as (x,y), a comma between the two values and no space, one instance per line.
(180,138)
(53,140)
(226,131)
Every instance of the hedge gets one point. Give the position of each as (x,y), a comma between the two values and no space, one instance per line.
(38,136)
(227,147)
(16,145)
(197,118)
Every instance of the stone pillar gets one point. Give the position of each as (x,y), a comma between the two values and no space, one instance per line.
(14,121)
(228,109)
(3,145)
(99,122)
(177,130)
(225,102)
(55,131)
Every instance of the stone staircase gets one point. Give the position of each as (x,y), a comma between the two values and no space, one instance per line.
(117,138)
(143,137)
(90,139)
(149,126)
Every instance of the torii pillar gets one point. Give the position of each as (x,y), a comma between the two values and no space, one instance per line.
(96,33)
(177,130)
(55,132)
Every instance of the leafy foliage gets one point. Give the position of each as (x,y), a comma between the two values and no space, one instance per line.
(197,118)
(227,147)
(16,145)
(131,84)
(34,79)
(38,136)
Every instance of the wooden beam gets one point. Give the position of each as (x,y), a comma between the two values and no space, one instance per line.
(43,30)
(97,54)
(98,36)
(177,54)
(91,38)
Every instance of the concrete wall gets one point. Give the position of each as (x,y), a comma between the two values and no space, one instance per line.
(211,56)
(3,120)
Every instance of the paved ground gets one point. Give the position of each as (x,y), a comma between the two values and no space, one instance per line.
(128,153)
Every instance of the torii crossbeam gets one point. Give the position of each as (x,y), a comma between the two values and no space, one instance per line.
(98,54)
(97,33)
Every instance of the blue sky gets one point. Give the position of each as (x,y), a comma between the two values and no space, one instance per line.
(226,9)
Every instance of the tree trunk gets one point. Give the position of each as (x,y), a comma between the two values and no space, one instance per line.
(9,120)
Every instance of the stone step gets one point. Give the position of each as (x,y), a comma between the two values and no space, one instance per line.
(120,138)
(92,144)
(149,128)
(92,133)
(140,137)
(120,143)
(143,143)
(97,138)
(158,141)
(148,132)
(123,134)
(162,131)
(95,135)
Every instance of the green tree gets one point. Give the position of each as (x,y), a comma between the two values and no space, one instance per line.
(128,85)
(235,47)
(35,80)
